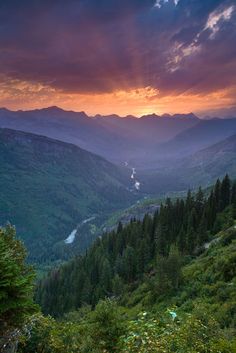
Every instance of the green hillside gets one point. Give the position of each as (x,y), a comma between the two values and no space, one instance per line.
(48,187)
(118,260)
(166,284)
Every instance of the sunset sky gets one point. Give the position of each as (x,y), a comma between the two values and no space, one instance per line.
(119,56)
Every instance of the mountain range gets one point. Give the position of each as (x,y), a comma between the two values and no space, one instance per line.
(54,187)
(143,142)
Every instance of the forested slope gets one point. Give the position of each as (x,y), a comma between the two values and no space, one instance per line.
(117,262)
(47,187)
(167,284)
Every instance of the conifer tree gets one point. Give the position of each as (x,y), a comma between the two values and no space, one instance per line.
(117,285)
(217,194)
(233,200)
(173,267)
(199,203)
(182,241)
(225,193)
(16,284)
(106,276)
(130,263)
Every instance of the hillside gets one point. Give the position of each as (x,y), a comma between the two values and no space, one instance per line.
(48,187)
(117,261)
(202,135)
(210,163)
(167,284)
(199,168)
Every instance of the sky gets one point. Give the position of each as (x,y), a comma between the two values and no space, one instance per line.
(119,56)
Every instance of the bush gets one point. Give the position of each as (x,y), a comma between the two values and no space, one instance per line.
(191,334)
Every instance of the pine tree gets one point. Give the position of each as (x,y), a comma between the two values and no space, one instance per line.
(117,285)
(217,194)
(211,210)
(16,283)
(191,231)
(233,193)
(199,203)
(182,241)
(143,255)
(106,276)
(173,267)
(86,292)
(233,200)
(130,263)
(225,193)
(202,235)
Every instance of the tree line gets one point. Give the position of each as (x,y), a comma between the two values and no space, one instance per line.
(118,260)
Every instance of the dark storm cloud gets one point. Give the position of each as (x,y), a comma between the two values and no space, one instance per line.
(99,46)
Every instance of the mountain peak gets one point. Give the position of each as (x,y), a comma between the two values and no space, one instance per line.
(52,108)
(150,116)
(179,116)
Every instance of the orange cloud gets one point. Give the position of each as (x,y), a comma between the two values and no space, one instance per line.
(16,94)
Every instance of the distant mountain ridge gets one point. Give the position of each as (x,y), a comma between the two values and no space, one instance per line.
(116,139)
(210,163)
(205,133)
(143,142)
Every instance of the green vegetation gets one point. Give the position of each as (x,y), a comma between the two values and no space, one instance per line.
(164,284)
(48,187)
(200,318)
(119,260)
(16,286)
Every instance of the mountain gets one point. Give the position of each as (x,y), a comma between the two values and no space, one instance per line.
(117,139)
(202,135)
(199,168)
(210,163)
(48,188)
(134,250)
(148,128)
(166,284)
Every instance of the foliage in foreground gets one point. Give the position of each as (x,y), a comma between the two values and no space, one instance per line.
(188,334)
(108,330)
(16,285)
(207,291)
(203,285)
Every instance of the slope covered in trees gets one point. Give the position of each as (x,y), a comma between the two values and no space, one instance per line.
(181,301)
(48,187)
(16,288)
(117,262)
(146,292)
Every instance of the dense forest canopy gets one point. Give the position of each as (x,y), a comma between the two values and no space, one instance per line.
(16,287)
(166,283)
(117,261)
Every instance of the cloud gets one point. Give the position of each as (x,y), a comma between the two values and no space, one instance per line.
(216,17)
(102,47)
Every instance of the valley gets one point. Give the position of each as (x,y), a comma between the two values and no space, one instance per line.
(118,176)
(67,185)
(48,187)
(116,245)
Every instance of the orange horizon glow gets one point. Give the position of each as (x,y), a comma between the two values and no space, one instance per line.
(21,95)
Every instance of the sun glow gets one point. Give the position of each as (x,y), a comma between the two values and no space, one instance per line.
(17,94)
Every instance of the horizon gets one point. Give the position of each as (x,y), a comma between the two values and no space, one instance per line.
(132,58)
(164,115)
